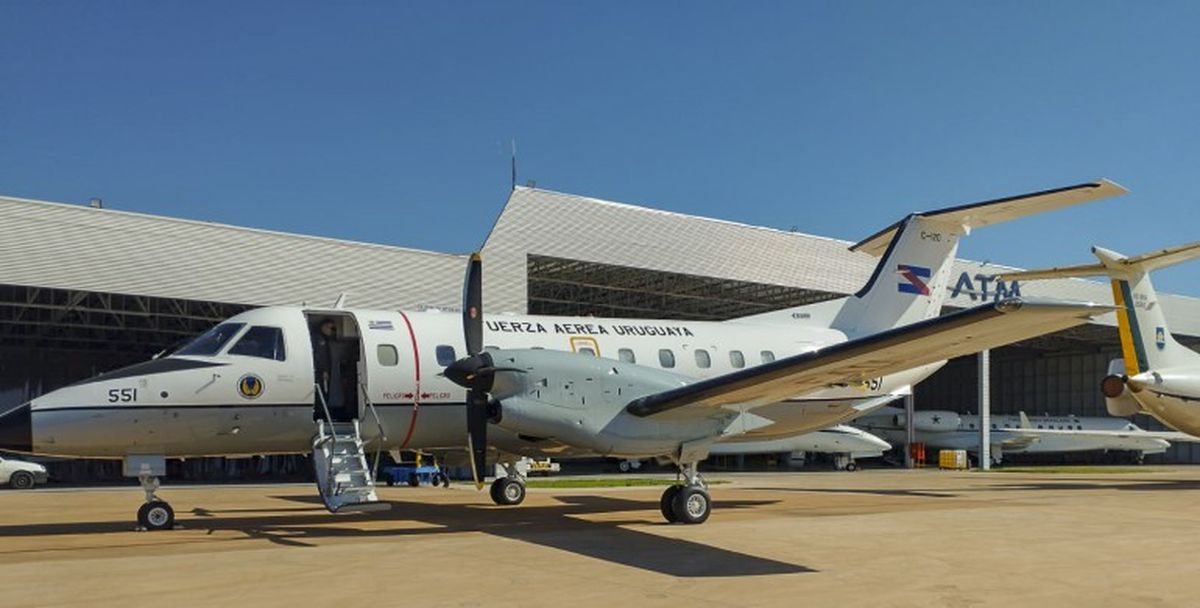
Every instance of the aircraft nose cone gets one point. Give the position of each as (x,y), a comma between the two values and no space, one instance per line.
(16,429)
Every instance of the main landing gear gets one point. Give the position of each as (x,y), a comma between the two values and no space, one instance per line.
(689,502)
(155,514)
(510,489)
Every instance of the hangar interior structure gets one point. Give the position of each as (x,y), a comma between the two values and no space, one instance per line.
(84,290)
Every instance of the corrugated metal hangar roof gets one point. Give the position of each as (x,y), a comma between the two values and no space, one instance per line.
(81,248)
(76,247)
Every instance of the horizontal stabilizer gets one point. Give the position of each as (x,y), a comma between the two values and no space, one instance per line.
(1112,262)
(855,361)
(975,215)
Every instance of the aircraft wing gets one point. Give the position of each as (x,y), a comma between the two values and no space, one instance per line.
(961,333)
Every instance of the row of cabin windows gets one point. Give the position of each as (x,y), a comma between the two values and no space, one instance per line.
(445,355)
(1051,427)
(666,357)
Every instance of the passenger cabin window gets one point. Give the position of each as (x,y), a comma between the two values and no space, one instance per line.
(261,341)
(666,358)
(210,342)
(387,354)
(445,355)
(737,359)
(767,356)
(703,361)
(626,355)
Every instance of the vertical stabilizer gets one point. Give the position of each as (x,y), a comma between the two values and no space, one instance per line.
(1146,341)
(910,281)
(917,254)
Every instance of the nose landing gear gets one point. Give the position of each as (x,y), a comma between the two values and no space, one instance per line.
(689,502)
(154,514)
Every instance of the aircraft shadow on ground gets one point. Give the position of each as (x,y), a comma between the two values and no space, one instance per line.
(557,526)
(1141,485)
(889,492)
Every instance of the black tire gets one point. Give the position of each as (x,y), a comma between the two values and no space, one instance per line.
(666,504)
(156,515)
(390,482)
(692,505)
(508,492)
(413,480)
(850,466)
(21,480)
(624,466)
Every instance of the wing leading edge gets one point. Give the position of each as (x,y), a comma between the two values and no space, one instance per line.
(945,337)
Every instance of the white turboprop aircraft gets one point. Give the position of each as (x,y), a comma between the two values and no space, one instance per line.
(946,430)
(1157,375)
(390,380)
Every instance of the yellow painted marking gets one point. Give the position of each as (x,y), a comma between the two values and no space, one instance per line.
(1125,331)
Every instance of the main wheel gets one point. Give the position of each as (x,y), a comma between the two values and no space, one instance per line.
(851,467)
(624,466)
(692,505)
(508,491)
(666,504)
(413,480)
(21,480)
(156,515)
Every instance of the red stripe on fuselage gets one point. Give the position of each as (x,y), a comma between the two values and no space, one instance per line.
(412,424)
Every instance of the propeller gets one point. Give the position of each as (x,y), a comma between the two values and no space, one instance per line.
(476,371)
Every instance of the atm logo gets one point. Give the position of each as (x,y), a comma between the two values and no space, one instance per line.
(913,279)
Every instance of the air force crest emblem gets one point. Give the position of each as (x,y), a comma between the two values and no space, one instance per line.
(250,386)
(1160,337)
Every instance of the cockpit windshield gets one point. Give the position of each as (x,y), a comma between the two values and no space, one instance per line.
(210,342)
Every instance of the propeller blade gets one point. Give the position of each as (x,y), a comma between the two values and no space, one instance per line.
(477,421)
(473,305)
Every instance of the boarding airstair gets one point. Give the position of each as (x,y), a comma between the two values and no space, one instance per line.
(344,477)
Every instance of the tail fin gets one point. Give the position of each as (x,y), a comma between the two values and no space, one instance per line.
(917,256)
(1146,343)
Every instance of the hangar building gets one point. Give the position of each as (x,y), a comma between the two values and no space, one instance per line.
(84,289)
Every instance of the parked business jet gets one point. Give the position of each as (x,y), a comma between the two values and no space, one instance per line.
(1021,434)
(341,383)
(1157,375)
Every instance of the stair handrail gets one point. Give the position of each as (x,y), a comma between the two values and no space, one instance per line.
(382,437)
(329,474)
(325,408)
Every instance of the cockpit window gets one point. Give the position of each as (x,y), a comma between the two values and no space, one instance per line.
(210,342)
(261,341)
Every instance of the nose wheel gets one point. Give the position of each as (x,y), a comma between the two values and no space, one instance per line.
(689,502)
(154,514)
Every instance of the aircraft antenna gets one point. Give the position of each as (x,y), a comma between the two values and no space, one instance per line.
(514,163)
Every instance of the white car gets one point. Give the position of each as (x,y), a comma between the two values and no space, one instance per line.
(21,475)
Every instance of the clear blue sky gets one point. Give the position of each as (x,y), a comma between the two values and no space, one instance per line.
(389,122)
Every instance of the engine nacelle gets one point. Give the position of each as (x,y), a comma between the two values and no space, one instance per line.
(580,400)
(1117,397)
(931,421)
